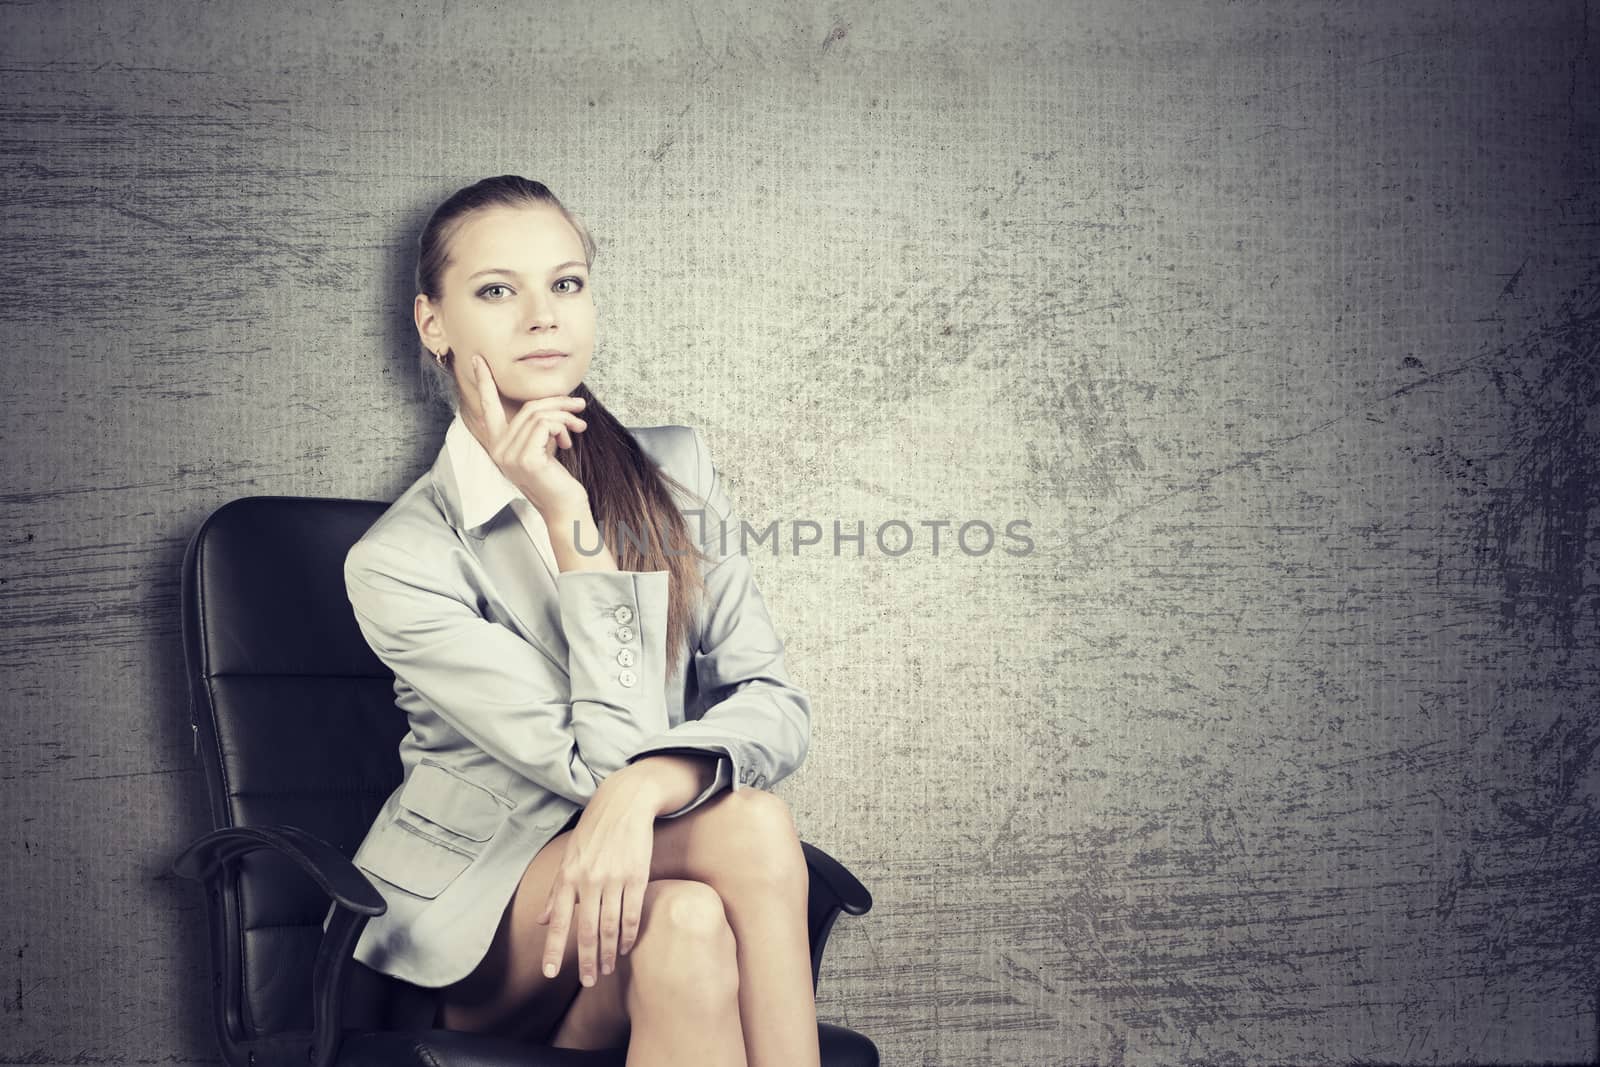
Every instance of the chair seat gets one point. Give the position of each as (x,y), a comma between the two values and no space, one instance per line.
(452,1048)
(841,1047)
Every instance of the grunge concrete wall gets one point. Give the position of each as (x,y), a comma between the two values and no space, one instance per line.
(1276,323)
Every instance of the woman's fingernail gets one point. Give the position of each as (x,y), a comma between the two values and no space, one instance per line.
(549,970)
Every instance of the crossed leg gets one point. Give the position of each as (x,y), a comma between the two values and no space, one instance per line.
(720,972)
(744,847)
(672,1001)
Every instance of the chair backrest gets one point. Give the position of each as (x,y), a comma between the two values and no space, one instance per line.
(294,724)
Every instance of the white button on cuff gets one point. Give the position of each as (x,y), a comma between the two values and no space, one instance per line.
(624,634)
(627,678)
(625,656)
(623,615)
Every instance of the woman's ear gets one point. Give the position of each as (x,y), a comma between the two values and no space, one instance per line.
(428,328)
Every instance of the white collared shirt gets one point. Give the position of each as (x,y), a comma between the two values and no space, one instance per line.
(485,490)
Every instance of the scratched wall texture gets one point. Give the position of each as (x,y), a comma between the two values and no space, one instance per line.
(1278,324)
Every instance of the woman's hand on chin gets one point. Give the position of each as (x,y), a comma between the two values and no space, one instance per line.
(524,448)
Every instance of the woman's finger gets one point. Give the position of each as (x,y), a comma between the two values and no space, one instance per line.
(523,447)
(508,445)
(494,416)
(610,922)
(588,933)
(569,424)
(532,408)
(547,440)
(632,911)
(563,424)
(517,428)
(559,910)
(538,436)
(563,433)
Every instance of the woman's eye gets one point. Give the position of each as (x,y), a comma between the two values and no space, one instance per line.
(578,282)
(486,290)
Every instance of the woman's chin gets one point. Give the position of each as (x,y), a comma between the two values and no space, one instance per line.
(535,386)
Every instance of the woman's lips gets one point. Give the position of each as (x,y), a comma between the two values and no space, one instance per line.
(542,358)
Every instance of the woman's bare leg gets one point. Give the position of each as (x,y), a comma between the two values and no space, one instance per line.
(744,846)
(753,859)
(680,983)
(677,990)
(507,993)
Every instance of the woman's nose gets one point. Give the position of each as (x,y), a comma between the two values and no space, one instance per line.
(541,311)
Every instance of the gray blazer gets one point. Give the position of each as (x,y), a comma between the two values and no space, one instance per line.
(522,699)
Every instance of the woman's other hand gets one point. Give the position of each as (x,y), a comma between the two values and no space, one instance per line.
(603,876)
(524,448)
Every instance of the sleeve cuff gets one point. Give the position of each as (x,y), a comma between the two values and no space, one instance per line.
(723,777)
(615,624)
(726,772)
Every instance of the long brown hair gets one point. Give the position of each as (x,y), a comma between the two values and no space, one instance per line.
(629,494)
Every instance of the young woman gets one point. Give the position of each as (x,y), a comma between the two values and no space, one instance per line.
(584,851)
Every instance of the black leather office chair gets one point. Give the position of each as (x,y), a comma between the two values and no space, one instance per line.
(296,728)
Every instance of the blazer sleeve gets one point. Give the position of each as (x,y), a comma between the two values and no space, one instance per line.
(761,728)
(565,726)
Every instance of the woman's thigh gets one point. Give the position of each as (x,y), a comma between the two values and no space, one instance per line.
(507,993)
(731,839)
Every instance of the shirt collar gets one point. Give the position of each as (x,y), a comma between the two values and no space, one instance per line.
(484,488)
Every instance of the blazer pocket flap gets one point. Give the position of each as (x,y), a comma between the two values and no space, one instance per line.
(403,857)
(452,802)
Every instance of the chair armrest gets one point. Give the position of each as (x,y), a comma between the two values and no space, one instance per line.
(357,899)
(846,888)
(327,866)
(832,888)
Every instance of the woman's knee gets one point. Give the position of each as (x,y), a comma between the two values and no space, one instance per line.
(681,910)
(685,945)
(765,842)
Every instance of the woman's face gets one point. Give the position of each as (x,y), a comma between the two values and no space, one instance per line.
(515,284)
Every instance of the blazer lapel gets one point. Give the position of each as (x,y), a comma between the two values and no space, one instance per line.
(520,577)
